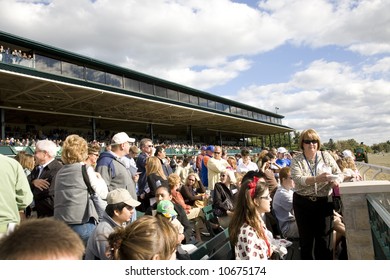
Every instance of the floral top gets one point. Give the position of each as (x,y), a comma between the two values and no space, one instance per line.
(249,246)
(302,168)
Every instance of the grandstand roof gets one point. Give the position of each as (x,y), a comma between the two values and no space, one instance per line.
(60,100)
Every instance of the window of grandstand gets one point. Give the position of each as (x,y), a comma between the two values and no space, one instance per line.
(72,70)
(95,75)
(194,100)
(202,102)
(211,104)
(114,80)
(161,91)
(173,94)
(47,64)
(146,88)
(132,85)
(183,97)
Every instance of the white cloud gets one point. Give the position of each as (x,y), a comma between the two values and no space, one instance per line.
(205,44)
(331,98)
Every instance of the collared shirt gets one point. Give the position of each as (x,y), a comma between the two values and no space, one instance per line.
(301,169)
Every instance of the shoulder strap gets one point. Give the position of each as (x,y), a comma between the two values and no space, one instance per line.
(86,179)
(322,154)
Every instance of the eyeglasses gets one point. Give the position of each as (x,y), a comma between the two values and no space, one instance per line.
(217,153)
(95,154)
(310,141)
(150,146)
(268,197)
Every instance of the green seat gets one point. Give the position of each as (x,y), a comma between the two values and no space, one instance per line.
(211,248)
(210,219)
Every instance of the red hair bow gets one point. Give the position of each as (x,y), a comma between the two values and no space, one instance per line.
(252,186)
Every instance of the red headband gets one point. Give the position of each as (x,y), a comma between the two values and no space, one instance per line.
(252,186)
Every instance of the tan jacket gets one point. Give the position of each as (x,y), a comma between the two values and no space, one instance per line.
(215,167)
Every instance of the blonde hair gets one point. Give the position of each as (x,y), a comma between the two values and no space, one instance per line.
(143,239)
(74,149)
(153,165)
(93,148)
(26,160)
(232,162)
(173,180)
(312,134)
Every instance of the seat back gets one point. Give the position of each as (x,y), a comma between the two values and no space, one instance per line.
(223,253)
(210,220)
(209,248)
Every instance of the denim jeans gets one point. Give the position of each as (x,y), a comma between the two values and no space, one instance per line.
(84,230)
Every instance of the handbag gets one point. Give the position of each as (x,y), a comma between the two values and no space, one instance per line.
(93,199)
(228,204)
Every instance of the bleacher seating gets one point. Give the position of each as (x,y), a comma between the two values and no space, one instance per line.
(217,248)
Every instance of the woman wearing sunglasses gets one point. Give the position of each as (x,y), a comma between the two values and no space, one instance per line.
(315,174)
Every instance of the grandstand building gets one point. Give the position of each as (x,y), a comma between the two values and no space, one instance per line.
(44,88)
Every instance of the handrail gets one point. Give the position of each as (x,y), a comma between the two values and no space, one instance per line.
(373,172)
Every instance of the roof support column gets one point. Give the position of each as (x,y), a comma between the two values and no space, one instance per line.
(2,116)
(150,126)
(93,123)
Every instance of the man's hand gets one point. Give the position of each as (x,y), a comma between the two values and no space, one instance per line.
(41,184)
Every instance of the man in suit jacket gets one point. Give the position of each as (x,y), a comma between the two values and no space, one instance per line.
(42,177)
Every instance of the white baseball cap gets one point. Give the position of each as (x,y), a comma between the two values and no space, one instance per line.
(121,195)
(282,150)
(121,138)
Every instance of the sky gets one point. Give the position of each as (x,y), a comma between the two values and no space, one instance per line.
(322,64)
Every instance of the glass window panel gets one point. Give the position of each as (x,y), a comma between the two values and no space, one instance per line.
(194,100)
(114,80)
(47,64)
(184,97)
(239,111)
(233,110)
(226,108)
(146,88)
(219,106)
(202,102)
(131,84)
(72,70)
(173,94)
(211,104)
(161,91)
(95,76)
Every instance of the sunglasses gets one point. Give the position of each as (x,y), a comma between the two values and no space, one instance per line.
(310,141)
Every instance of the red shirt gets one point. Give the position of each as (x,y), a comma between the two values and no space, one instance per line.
(178,199)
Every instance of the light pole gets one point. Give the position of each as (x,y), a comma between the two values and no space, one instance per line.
(276,109)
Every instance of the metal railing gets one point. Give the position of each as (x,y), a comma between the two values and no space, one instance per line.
(378,211)
(373,172)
